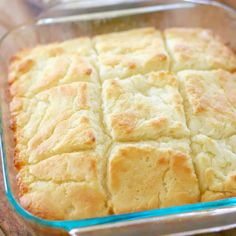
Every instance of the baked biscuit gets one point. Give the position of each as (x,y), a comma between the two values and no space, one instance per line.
(215,162)
(131,52)
(144,107)
(65,186)
(81,46)
(198,49)
(102,126)
(59,120)
(29,76)
(149,175)
(210,102)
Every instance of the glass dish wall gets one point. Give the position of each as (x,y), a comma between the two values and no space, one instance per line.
(65,21)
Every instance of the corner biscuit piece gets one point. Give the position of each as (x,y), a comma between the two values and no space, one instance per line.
(144,176)
(210,98)
(30,76)
(81,46)
(144,107)
(63,187)
(62,119)
(130,52)
(215,162)
(198,49)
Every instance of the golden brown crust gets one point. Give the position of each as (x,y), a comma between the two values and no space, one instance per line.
(198,49)
(143,176)
(102,126)
(29,76)
(49,201)
(131,52)
(210,101)
(144,107)
(215,162)
(81,46)
(62,119)
(68,179)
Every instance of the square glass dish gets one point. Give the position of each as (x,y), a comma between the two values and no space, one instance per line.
(88,18)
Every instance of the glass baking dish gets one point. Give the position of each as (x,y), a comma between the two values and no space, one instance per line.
(65,21)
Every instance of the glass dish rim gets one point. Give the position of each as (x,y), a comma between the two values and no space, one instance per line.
(69,225)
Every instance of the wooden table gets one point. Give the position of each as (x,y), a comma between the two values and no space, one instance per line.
(13,12)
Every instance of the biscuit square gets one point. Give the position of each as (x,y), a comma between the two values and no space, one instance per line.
(215,162)
(150,175)
(70,179)
(130,52)
(29,76)
(198,49)
(144,107)
(210,102)
(62,119)
(81,46)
